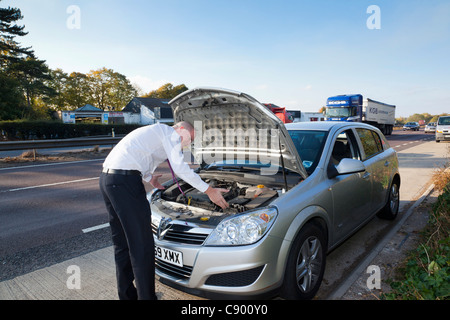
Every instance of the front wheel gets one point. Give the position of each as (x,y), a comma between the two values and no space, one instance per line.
(305,265)
(390,210)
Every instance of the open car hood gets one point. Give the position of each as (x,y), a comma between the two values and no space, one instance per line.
(233,126)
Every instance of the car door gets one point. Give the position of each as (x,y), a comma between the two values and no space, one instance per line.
(351,193)
(376,168)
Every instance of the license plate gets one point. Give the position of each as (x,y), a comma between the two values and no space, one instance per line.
(168,255)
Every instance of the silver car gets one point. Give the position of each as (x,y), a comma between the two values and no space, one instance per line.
(430,127)
(443,129)
(296,191)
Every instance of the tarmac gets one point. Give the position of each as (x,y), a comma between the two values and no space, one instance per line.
(92,276)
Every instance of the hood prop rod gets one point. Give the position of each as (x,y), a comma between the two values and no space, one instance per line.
(282,162)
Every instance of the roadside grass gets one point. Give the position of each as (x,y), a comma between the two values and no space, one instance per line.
(425,275)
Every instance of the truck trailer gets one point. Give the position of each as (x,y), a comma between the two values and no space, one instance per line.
(355,108)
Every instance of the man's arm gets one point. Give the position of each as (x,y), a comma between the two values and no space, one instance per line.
(174,154)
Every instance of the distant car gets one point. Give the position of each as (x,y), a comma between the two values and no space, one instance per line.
(443,129)
(296,191)
(431,127)
(411,126)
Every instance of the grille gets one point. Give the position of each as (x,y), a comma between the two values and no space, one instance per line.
(183,272)
(181,234)
(235,279)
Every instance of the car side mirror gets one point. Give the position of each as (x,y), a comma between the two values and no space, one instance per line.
(346,166)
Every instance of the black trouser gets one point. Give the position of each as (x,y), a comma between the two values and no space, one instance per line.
(130,221)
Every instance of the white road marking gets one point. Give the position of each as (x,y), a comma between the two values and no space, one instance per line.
(48,185)
(100,226)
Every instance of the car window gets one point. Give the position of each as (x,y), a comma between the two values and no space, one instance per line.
(344,147)
(370,141)
(309,145)
(444,121)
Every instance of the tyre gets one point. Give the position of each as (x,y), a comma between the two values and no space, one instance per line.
(390,210)
(305,265)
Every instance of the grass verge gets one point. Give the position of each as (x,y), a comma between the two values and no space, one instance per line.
(426,271)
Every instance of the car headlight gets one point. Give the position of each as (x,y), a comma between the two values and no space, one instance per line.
(243,229)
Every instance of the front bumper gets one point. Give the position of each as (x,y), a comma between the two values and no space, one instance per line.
(442,136)
(250,270)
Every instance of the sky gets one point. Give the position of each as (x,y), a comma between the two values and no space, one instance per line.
(292,53)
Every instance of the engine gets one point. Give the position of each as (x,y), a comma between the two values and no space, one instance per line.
(240,197)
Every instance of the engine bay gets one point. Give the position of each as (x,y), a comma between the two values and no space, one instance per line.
(240,197)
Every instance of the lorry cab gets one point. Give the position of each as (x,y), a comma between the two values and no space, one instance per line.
(344,108)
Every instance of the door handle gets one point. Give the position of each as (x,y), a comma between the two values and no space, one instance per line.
(386,164)
(366,175)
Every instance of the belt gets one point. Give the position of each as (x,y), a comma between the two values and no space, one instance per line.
(122,172)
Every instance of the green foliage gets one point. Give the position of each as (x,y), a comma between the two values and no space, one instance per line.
(24,129)
(417,117)
(12,101)
(426,273)
(167,91)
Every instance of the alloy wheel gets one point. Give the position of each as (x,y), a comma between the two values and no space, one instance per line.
(309,264)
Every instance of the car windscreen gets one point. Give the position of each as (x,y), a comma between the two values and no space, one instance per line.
(340,112)
(309,146)
(444,121)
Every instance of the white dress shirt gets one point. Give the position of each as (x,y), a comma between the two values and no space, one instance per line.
(145,148)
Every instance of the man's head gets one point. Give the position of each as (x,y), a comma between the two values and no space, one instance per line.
(186,132)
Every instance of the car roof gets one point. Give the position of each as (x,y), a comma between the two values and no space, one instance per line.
(325,125)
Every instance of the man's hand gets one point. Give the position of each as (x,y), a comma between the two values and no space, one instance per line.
(215,195)
(155,183)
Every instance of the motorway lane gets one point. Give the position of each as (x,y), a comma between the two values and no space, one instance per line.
(42,204)
(34,176)
(44,208)
(401,140)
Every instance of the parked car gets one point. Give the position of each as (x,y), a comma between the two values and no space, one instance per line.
(431,127)
(411,126)
(296,192)
(443,129)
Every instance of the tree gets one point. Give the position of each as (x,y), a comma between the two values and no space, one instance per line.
(32,75)
(109,89)
(416,117)
(9,48)
(77,92)
(11,99)
(167,91)
(12,102)
(58,83)
(121,92)
(100,83)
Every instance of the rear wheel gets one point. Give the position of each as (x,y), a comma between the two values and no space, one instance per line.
(306,264)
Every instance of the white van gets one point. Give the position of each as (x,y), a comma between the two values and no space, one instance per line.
(443,129)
